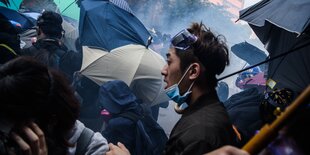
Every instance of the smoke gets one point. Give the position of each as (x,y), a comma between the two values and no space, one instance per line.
(171,16)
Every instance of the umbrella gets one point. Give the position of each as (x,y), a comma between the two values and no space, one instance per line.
(10,14)
(283,26)
(136,65)
(249,53)
(106,25)
(71,32)
(122,4)
(5,2)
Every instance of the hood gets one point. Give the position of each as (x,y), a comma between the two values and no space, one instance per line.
(116,97)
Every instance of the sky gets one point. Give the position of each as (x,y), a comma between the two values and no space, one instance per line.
(248,3)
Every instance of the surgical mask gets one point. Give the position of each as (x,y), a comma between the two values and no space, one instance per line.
(173,92)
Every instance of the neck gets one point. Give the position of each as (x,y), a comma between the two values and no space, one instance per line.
(196,93)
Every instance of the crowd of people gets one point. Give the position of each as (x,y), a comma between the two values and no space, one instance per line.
(40,109)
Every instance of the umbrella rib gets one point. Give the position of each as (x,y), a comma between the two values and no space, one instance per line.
(254,8)
(268,60)
(92,63)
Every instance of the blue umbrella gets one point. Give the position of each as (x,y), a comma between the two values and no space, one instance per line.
(122,4)
(106,25)
(283,26)
(13,15)
(249,53)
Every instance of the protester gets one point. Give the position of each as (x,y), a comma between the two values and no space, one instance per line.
(38,108)
(195,58)
(131,122)
(49,48)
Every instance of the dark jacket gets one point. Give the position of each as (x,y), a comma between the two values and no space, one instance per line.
(51,53)
(140,133)
(116,97)
(243,110)
(203,127)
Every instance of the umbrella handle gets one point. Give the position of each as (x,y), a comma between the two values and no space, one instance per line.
(269,131)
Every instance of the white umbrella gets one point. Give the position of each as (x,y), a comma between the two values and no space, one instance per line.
(136,65)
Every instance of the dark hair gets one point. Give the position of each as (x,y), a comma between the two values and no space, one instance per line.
(31,91)
(50,23)
(209,50)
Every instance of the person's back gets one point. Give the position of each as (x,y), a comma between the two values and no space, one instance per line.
(49,52)
(49,48)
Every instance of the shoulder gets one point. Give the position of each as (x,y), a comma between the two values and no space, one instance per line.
(211,114)
(98,144)
(30,51)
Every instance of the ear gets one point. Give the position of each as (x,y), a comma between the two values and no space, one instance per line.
(194,72)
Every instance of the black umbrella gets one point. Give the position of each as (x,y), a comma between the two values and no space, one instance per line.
(283,27)
(249,53)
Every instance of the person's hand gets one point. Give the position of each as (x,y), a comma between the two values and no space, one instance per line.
(120,149)
(35,143)
(228,150)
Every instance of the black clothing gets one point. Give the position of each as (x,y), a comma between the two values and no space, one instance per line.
(203,127)
(51,53)
(243,110)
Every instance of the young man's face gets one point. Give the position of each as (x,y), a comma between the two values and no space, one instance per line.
(172,70)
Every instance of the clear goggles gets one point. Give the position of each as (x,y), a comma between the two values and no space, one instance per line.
(183,40)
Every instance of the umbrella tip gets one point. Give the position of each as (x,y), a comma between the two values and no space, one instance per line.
(149,41)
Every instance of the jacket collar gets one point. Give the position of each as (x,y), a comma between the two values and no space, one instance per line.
(203,100)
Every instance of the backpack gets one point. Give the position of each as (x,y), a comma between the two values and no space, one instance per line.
(83,141)
(150,137)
